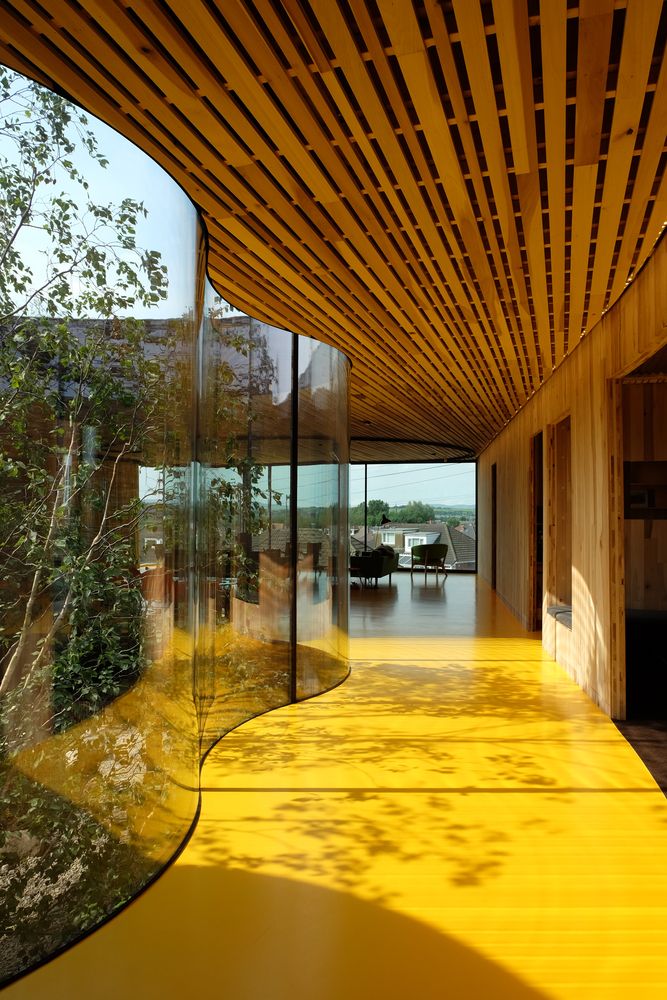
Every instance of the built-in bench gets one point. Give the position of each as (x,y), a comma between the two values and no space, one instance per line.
(562,613)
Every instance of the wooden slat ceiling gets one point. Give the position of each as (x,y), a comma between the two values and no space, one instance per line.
(450,191)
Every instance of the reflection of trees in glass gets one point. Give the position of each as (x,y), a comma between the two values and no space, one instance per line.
(242,378)
(76,420)
(81,400)
(77,403)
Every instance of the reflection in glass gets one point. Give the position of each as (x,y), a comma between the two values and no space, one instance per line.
(321,526)
(243,512)
(259,645)
(166,571)
(98,744)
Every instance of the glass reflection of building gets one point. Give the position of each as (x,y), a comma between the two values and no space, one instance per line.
(218,596)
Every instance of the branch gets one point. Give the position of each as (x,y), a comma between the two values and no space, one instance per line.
(19,225)
(15,660)
(78,257)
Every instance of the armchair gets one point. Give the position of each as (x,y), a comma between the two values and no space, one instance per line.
(429,557)
(373,565)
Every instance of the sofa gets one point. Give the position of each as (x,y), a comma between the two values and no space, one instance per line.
(373,565)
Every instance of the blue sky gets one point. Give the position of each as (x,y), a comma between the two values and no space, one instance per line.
(169,227)
(431,483)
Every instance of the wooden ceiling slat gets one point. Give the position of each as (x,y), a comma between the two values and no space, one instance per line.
(233,229)
(377,392)
(511,17)
(355,71)
(356,210)
(415,359)
(409,360)
(151,99)
(652,150)
(473,38)
(409,181)
(656,222)
(404,33)
(380,62)
(583,200)
(553,14)
(370,155)
(595,23)
(514,47)
(494,297)
(641,21)
(207,32)
(530,200)
(92,90)
(595,26)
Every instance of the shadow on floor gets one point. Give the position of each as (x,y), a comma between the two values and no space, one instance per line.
(210,931)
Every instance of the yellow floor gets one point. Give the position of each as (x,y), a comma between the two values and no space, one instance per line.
(457,820)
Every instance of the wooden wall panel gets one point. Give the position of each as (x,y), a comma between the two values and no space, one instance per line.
(583,387)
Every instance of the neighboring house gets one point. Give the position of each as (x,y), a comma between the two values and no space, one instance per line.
(468,528)
(401,537)
(465,548)
(315,541)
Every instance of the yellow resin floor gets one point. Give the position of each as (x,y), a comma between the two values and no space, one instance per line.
(457,820)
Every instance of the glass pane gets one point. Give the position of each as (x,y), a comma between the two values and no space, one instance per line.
(322,590)
(148,592)
(412,504)
(98,740)
(244,507)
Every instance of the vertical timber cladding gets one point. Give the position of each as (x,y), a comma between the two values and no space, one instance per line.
(593,653)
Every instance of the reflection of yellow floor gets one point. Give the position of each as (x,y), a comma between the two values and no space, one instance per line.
(133,765)
(454,822)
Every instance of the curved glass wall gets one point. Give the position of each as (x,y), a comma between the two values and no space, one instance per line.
(321,527)
(172,560)
(272,477)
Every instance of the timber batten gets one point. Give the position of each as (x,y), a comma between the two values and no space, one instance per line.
(451,193)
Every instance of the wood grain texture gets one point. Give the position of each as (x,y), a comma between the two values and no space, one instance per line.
(629,334)
(450,193)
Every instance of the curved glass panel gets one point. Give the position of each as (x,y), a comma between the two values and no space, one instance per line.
(272,536)
(322,584)
(98,737)
(244,508)
(173,498)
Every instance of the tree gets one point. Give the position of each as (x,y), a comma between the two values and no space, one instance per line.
(416,512)
(79,401)
(376,508)
(356,515)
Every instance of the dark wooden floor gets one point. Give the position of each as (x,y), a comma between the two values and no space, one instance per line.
(649,740)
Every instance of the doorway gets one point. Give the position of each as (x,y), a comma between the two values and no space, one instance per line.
(644,410)
(494,522)
(537,531)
